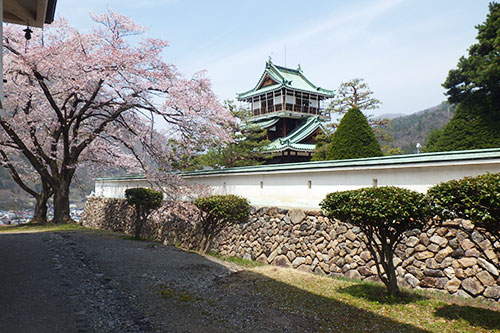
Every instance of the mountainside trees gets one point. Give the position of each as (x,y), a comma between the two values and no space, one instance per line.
(475,86)
(74,99)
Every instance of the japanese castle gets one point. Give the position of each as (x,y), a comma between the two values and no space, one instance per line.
(289,107)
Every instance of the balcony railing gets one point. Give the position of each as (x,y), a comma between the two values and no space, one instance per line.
(290,107)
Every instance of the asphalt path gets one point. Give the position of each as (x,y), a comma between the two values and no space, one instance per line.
(30,297)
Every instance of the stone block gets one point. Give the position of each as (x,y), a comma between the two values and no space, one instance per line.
(298,261)
(407,262)
(459,273)
(492,292)
(485,278)
(453,285)
(396,261)
(412,280)
(364,271)
(424,239)
(411,241)
(461,293)
(441,283)
(431,263)
(353,274)
(477,237)
(449,272)
(472,253)
(325,267)
(433,248)
(458,253)
(420,247)
(441,255)
(485,245)
(488,266)
(296,215)
(263,258)
(433,272)
(424,255)
(427,282)
(341,229)
(438,240)
(466,244)
(415,272)
(409,251)
(319,271)
(282,261)
(467,262)
(472,286)
(453,243)
(350,235)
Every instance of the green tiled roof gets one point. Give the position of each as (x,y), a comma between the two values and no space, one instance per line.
(285,78)
(439,157)
(266,123)
(292,140)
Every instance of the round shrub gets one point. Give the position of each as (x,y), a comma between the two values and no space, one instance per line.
(474,198)
(144,200)
(383,214)
(219,211)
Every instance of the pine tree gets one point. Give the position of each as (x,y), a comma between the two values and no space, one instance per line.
(476,125)
(475,86)
(353,138)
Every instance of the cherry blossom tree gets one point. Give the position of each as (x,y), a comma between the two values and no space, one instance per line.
(27,178)
(73,99)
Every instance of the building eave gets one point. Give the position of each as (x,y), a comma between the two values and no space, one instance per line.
(33,13)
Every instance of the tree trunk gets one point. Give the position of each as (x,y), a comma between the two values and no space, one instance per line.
(139,222)
(392,286)
(40,214)
(392,282)
(61,204)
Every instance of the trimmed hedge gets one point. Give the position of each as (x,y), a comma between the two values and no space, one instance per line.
(218,211)
(144,200)
(473,198)
(353,138)
(383,214)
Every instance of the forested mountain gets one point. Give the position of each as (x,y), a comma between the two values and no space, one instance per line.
(409,130)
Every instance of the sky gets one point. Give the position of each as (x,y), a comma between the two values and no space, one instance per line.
(403,49)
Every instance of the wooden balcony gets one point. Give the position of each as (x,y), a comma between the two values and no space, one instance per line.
(290,107)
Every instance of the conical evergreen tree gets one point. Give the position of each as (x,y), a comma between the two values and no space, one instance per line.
(476,125)
(475,86)
(353,138)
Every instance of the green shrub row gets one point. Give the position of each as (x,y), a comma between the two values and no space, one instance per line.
(385,213)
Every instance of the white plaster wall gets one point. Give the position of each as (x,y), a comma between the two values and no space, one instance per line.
(116,188)
(290,188)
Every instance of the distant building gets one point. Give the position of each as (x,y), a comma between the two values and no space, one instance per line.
(289,107)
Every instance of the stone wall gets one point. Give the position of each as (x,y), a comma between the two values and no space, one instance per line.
(439,259)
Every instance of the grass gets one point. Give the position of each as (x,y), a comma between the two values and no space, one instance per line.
(340,304)
(239,261)
(178,294)
(34,227)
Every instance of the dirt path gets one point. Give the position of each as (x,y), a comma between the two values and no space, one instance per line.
(90,282)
